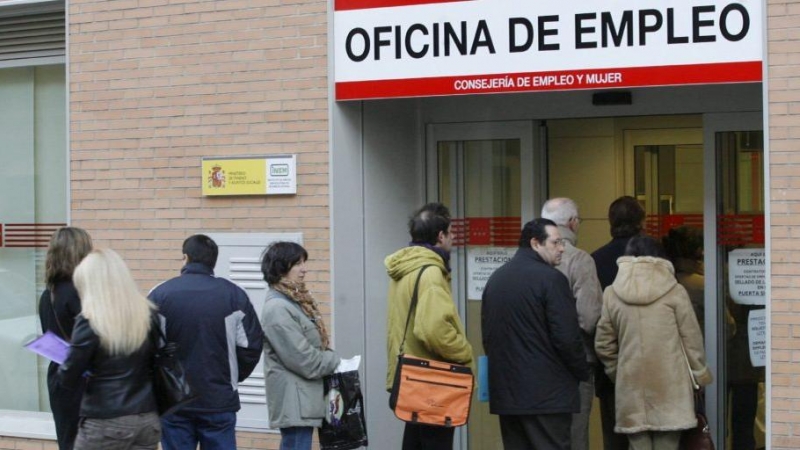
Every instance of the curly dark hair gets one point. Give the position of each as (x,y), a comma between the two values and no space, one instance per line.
(279,258)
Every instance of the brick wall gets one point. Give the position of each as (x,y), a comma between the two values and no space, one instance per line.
(784,129)
(155,85)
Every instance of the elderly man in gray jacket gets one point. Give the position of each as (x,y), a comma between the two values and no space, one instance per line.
(579,268)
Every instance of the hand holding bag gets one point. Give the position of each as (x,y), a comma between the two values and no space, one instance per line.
(427,391)
(170,386)
(699,437)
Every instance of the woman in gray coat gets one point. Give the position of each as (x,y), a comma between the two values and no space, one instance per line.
(296,347)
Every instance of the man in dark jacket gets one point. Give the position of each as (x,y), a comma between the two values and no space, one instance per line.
(219,341)
(625,217)
(534,344)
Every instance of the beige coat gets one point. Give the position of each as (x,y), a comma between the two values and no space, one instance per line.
(646,322)
(580,270)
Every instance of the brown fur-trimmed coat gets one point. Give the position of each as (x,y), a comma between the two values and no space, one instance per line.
(646,322)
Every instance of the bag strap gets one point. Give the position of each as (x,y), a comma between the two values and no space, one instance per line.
(55,315)
(699,399)
(412,306)
(689,366)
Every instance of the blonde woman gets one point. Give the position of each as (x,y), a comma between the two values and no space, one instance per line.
(58,307)
(112,350)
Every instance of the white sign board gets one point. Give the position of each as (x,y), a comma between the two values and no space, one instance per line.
(757,332)
(747,276)
(407,48)
(282,174)
(481,264)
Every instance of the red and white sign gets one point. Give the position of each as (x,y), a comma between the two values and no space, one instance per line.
(409,48)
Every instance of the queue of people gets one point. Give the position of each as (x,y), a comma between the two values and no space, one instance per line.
(559,325)
(102,396)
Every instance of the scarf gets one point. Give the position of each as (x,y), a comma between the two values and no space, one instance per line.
(298,293)
(445,255)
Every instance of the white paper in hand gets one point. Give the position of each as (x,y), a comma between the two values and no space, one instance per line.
(348,365)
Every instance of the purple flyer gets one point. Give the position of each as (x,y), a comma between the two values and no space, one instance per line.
(50,346)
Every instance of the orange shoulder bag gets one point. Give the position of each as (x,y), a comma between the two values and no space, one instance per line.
(427,391)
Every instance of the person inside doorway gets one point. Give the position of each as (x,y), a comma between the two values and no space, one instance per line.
(626,217)
(581,272)
(684,246)
(648,340)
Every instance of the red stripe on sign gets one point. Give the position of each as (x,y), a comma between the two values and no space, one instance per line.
(345,5)
(738,72)
(27,235)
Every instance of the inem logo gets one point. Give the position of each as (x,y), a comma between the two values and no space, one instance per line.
(279,170)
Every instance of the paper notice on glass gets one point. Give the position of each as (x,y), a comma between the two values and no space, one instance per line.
(50,346)
(747,276)
(757,333)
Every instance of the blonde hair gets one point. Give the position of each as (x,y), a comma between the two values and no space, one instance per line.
(117,312)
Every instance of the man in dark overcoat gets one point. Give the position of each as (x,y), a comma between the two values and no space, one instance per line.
(533,342)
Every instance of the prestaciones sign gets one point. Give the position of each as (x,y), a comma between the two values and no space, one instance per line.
(408,48)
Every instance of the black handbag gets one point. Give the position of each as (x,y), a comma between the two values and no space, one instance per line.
(170,385)
(344,426)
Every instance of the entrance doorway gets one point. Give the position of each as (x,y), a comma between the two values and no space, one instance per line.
(698,176)
(489,178)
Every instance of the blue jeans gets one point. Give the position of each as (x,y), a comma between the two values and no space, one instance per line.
(296,438)
(184,430)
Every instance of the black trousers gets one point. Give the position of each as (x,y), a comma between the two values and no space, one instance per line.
(65,405)
(536,432)
(604,388)
(744,405)
(426,437)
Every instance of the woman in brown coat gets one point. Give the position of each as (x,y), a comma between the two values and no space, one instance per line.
(646,334)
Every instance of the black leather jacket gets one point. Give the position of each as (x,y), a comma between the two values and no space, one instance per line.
(116,385)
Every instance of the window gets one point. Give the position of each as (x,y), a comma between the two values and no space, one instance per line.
(33,203)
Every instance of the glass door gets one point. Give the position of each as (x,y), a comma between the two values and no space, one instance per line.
(735,142)
(484,173)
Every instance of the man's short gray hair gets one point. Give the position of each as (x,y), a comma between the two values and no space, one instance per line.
(560,210)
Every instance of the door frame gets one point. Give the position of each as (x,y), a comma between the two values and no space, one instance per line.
(716,123)
(533,188)
(532,152)
(533,194)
